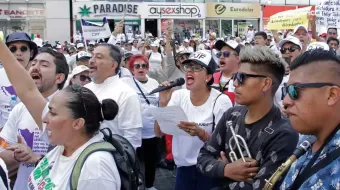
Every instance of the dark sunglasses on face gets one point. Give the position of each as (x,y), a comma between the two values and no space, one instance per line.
(225,54)
(23,49)
(84,78)
(293,89)
(193,67)
(290,49)
(138,66)
(240,77)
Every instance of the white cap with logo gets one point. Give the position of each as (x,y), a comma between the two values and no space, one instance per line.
(292,40)
(318,45)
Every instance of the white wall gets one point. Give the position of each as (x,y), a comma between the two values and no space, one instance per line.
(57,20)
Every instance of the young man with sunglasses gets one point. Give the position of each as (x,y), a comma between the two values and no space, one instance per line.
(312,103)
(21,45)
(269,136)
(49,71)
(290,48)
(229,60)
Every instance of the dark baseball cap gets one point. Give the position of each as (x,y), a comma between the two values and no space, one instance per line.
(22,37)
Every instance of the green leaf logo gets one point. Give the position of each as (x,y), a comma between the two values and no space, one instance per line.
(85,11)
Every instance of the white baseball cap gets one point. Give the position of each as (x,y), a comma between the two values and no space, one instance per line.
(78,69)
(318,45)
(186,40)
(203,58)
(290,39)
(80,45)
(231,43)
(300,27)
(83,55)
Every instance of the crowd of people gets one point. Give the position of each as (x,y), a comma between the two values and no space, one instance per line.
(249,104)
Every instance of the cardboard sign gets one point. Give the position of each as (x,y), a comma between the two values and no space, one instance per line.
(327,13)
(289,19)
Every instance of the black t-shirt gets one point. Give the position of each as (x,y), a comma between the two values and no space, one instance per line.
(271,140)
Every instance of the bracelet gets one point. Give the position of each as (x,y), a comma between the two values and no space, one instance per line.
(37,162)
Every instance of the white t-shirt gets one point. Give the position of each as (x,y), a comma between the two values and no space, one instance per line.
(128,122)
(155,61)
(186,148)
(278,95)
(3,166)
(148,119)
(6,91)
(20,122)
(98,172)
(124,72)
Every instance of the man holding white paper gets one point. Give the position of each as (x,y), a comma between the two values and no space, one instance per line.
(203,107)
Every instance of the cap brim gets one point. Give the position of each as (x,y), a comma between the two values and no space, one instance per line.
(282,42)
(198,62)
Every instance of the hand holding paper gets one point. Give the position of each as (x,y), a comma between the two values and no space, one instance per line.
(168,119)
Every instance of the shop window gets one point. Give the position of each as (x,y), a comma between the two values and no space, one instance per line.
(186,29)
(211,26)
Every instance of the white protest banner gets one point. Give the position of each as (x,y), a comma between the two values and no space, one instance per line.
(93,31)
(327,13)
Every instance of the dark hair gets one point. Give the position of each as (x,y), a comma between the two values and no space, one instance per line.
(313,56)
(264,60)
(83,103)
(332,39)
(333,29)
(263,34)
(60,63)
(115,54)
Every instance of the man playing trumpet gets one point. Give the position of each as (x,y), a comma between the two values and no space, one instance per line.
(268,136)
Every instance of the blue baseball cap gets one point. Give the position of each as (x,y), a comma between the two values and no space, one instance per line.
(22,37)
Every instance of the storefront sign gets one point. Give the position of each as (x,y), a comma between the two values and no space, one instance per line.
(289,19)
(174,10)
(21,13)
(105,9)
(233,10)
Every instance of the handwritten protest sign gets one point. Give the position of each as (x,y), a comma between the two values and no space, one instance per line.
(289,19)
(327,13)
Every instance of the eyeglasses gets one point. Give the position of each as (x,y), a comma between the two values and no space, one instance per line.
(84,78)
(193,67)
(225,54)
(240,77)
(138,66)
(23,49)
(290,49)
(79,88)
(293,89)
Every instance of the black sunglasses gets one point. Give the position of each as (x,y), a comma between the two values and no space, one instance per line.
(293,89)
(84,78)
(138,66)
(23,49)
(79,88)
(240,77)
(225,54)
(290,49)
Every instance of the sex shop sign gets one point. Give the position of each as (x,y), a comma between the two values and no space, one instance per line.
(174,10)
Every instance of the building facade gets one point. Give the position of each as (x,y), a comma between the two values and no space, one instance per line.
(46,18)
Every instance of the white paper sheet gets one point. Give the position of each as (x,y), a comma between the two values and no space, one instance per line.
(168,118)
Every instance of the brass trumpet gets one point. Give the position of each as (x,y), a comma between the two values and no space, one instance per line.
(237,138)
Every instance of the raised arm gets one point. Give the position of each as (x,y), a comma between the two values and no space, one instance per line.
(23,84)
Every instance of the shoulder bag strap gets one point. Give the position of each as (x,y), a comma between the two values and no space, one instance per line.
(4,177)
(94,147)
(140,90)
(214,123)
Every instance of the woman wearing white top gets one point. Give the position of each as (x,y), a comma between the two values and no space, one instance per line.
(156,63)
(139,65)
(71,121)
(204,107)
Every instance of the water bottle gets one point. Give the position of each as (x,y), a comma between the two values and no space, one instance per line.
(13,101)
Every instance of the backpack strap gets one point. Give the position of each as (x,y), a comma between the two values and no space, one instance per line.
(94,147)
